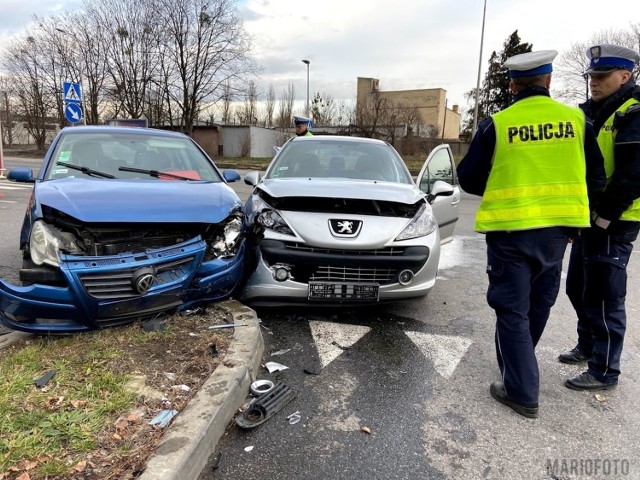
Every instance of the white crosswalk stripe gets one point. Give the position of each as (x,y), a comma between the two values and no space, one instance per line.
(15,186)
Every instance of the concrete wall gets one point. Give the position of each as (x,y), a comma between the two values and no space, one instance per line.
(250,141)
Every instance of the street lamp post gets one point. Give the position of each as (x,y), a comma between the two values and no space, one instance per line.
(307,62)
(475,110)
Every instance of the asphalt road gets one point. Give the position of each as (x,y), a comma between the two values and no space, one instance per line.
(417,376)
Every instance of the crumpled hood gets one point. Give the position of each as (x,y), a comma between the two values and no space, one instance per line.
(113,200)
(340,188)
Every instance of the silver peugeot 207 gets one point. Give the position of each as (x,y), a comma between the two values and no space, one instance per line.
(340,220)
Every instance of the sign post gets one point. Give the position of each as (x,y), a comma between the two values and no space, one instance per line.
(72,94)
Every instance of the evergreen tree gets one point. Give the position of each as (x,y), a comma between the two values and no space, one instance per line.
(494,93)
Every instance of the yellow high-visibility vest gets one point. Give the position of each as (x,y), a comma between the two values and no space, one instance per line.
(538,174)
(606,141)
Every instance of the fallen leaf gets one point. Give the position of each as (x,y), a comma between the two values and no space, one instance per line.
(78,403)
(366,429)
(28,465)
(133,418)
(115,436)
(24,476)
(79,467)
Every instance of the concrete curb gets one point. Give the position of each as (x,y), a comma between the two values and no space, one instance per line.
(194,434)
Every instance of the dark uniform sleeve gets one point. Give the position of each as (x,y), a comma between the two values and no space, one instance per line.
(624,185)
(596,175)
(473,170)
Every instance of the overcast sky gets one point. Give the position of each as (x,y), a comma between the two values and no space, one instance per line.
(407,44)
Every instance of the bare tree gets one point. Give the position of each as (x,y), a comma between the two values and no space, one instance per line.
(24,60)
(130,35)
(323,109)
(207,47)
(285,107)
(270,104)
(6,113)
(572,86)
(248,115)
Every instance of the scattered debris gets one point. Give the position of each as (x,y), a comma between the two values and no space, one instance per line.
(266,328)
(275,367)
(227,325)
(281,352)
(163,418)
(313,370)
(260,387)
(192,311)
(184,388)
(339,346)
(294,418)
(216,462)
(366,429)
(170,376)
(600,397)
(213,350)
(249,448)
(265,406)
(157,324)
(44,379)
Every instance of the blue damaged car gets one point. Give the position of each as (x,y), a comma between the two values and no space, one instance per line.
(122,224)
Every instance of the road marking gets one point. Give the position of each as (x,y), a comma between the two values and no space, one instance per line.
(445,352)
(14,186)
(327,334)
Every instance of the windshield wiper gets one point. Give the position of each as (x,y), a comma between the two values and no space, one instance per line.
(153,173)
(85,170)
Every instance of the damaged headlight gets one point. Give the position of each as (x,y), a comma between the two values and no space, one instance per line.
(422,224)
(47,242)
(270,219)
(226,243)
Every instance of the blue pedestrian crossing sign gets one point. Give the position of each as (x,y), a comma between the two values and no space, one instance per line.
(72,92)
(73,112)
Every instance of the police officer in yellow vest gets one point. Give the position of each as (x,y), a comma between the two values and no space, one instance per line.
(537,166)
(597,277)
(303,126)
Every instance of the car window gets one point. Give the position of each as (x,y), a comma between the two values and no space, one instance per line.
(106,152)
(440,168)
(339,159)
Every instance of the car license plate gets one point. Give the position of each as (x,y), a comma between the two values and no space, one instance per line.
(343,291)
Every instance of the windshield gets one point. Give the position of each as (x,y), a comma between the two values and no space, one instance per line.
(105,153)
(328,158)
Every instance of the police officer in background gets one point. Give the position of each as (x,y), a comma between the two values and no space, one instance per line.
(597,276)
(303,126)
(537,166)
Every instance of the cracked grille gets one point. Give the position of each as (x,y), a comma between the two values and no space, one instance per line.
(117,284)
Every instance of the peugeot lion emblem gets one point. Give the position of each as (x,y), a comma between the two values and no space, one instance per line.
(345,227)
(143,280)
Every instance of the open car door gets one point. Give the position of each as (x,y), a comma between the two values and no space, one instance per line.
(440,166)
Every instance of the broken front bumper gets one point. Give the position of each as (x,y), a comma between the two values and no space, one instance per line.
(107,291)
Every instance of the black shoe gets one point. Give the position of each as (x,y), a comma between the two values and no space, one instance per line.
(529,410)
(586,381)
(573,356)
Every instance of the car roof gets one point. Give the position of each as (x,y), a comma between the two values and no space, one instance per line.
(92,129)
(341,138)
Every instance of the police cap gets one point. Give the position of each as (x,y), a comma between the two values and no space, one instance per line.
(298,120)
(606,58)
(530,63)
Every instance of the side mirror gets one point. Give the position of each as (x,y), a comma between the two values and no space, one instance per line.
(230,175)
(439,189)
(252,178)
(21,174)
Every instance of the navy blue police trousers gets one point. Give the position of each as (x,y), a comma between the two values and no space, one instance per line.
(597,287)
(524,270)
